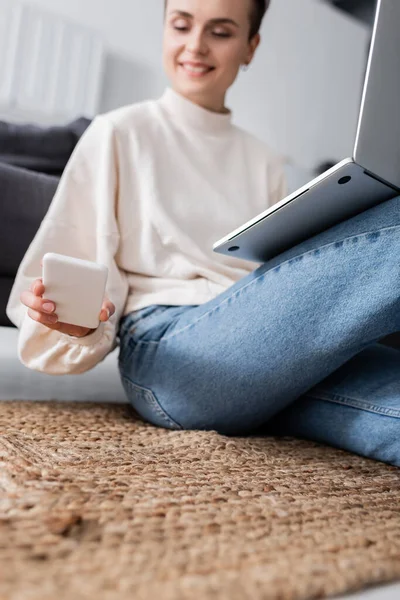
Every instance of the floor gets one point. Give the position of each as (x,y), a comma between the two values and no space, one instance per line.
(381,592)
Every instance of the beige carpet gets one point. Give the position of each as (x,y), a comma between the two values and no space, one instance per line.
(96,504)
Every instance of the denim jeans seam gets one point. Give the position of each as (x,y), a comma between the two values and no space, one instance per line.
(152,401)
(257,279)
(354,403)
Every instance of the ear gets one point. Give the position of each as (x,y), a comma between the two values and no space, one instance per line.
(253,44)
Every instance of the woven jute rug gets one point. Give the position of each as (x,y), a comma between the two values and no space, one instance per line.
(96,504)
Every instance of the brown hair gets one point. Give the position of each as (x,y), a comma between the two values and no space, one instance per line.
(260,7)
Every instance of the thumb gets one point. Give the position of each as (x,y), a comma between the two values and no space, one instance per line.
(107,310)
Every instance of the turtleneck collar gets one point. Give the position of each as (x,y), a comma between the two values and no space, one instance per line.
(191,114)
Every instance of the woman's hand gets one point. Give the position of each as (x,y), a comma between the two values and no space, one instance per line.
(44,311)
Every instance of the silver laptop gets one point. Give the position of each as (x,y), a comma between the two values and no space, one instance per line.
(355,184)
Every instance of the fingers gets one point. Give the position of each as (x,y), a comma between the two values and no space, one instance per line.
(109,306)
(107,310)
(39,309)
(45,319)
(37,287)
(36,303)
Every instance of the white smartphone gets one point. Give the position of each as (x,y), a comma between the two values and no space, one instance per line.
(77,288)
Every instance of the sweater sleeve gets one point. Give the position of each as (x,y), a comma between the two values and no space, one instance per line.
(81,222)
(277,182)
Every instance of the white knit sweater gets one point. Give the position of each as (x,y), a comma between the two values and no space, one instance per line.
(148,190)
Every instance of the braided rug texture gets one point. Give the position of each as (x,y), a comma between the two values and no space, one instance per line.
(96,504)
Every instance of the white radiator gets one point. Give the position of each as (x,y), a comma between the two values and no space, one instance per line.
(51,70)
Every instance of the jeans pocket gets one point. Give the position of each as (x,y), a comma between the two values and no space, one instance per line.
(146,404)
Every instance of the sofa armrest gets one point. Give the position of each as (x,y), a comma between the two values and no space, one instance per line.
(6,284)
(25,199)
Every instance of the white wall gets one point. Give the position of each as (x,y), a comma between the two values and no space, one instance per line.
(301,94)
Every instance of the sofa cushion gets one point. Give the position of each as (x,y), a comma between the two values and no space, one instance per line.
(45,149)
(25,199)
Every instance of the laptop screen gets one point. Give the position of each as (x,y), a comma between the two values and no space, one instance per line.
(364,10)
(377,146)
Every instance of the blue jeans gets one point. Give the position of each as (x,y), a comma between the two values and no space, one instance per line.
(290,349)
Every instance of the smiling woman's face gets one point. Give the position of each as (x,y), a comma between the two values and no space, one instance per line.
(205,42)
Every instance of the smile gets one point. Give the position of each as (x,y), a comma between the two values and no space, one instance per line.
(196,71)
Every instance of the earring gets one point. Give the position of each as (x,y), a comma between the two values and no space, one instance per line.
(245,67)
